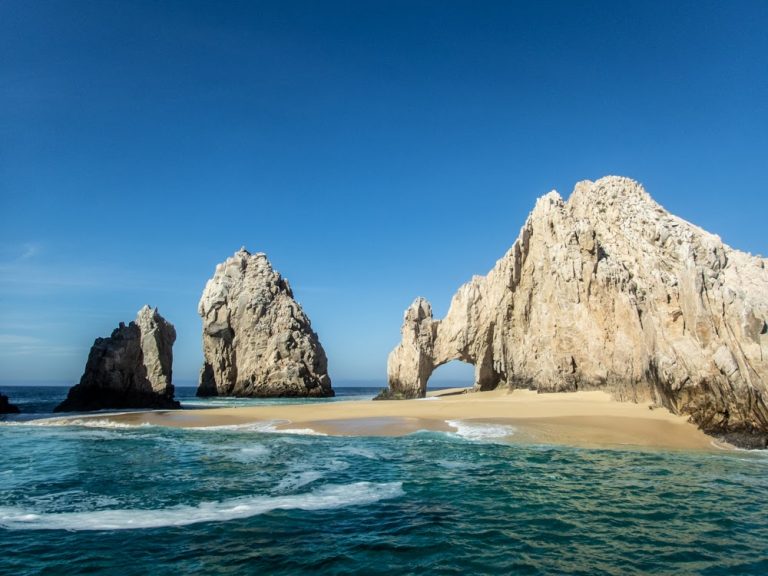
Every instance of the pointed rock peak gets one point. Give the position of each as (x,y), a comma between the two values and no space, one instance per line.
(616,205)
(610,190)
(257,340)
(147,312)
(608,292)
(243,259)
(243,252)
(149,320)
(245,255)
(419,309)
(551,198)
(132,368)
(262,263)
(609,182)
(547,202)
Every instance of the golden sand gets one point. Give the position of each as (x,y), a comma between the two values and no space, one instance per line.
(575,418)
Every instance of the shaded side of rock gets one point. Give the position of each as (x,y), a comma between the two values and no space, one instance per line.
(6,407)
(609,291)
(257,340)
(132,368)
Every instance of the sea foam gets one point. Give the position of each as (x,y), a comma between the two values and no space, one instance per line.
(267,427)
(479,431)
(294,481)
(89,422)
(325,498)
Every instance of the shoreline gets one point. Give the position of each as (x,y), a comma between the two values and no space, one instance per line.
(586,419)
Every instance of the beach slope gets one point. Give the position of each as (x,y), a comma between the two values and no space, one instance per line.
(575,418)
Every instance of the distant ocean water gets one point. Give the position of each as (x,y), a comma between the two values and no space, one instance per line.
(246,500)
(39,401)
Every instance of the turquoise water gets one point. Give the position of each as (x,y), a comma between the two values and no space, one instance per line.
(148,500)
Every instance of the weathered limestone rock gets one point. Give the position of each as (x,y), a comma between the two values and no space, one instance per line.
(130,369)
(609,291)
(257,341)
(6,407)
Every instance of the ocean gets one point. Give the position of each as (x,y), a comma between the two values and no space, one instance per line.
(108,499)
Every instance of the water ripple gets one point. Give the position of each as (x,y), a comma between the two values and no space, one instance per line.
(464,506)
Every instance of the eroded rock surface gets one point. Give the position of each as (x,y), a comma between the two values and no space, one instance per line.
(6,407)
(609,291)
(133,368)
(257,341)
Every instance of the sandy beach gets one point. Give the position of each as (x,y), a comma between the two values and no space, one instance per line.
(580,418)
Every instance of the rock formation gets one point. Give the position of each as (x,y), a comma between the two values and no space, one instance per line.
(6,407)
(609,291)
(257,341)
(130,369)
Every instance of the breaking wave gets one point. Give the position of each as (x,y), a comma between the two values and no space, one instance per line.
(479,431)
(327,497)
(267,427)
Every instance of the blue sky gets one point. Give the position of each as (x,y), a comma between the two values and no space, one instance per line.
(376,151)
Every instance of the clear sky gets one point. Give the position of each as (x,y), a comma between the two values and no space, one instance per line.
(376,151)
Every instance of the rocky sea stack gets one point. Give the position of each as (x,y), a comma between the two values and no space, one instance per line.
(130,369)
(257,341)
(6,407)
(609,291)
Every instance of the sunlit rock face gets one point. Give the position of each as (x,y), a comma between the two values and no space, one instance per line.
(257,340)
(133,368)
(608,291)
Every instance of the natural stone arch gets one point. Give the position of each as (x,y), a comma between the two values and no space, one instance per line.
(609,291)
(426,345)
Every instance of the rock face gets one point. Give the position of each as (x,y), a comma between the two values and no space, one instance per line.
(257,341)
(609,291)
(130,369)
(6,407)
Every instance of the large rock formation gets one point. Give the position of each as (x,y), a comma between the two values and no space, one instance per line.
(609,291)
(6,407)
(130,369)
(257,341)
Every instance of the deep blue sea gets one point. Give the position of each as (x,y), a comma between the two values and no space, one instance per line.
(148,500)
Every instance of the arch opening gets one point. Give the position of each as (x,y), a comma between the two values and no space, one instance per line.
(452,374)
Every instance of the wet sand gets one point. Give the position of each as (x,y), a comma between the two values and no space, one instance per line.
(576,418)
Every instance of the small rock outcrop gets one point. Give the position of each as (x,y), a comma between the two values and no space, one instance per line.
(609,291)
(257,341)
(6,407)
(130,369)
